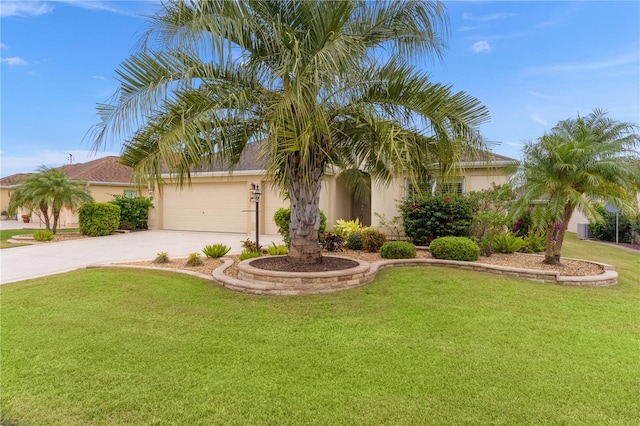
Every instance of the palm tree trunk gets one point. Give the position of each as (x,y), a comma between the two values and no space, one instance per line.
(549,257)
(566,217)
(44,208)
(56,217)
(304,193)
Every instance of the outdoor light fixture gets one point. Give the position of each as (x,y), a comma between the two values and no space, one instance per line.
(255,197)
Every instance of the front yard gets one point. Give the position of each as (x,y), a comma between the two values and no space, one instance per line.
(416,346)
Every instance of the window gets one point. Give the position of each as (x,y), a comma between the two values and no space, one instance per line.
(453,186)
(433,187)
(130,193)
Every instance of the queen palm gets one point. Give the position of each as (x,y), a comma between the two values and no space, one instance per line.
(317,84)
(49,190)
(581,161)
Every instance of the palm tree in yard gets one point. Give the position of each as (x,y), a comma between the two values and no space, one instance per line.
(317,83)
(581,161)
(48,191)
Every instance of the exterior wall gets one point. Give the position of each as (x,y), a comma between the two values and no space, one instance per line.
(4,198)
(578,217)
(479,179)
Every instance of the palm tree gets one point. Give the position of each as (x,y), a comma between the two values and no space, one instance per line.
(580,161)
(318,84)
(49,190)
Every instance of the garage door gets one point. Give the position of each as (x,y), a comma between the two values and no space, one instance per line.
(216,207)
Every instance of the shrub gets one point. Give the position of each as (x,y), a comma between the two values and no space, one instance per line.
(43,235)
(372,240)
(134,211)
(216,250)
(248,254)
(98,219)
(354,242)
(490,217)
(282,219)
(536,242)
(345,228)
(332,242)
(250,245)
(508,243)
(194,259)
(277,250)
(436,216)
(454,248)
(162,257)
(398,250)
(606,230)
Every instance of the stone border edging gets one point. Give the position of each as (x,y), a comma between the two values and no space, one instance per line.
(292,284)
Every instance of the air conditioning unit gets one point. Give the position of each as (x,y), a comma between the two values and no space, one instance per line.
(583,232)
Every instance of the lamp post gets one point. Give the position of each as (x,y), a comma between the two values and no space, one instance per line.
(255,197)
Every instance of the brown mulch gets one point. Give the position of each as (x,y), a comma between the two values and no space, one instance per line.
(524,261)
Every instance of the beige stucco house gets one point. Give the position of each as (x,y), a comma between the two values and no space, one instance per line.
(104,178)
(219,201)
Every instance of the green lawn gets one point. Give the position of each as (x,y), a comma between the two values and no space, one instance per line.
(416,346)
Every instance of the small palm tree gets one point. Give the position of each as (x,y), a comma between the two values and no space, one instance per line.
(320,84)
(49,190)
(580,161)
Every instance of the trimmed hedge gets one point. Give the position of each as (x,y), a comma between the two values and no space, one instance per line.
(398,250)
(98,219)
(454,248)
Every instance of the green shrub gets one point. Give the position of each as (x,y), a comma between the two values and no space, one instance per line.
(536,242)
(43,235)
(606,230)
(332,242)
(194,259)
(162,257)
(248,254)
(345,228)
(98,219)
(282,218)
(436,216)
(398,250)
(354,242)
(508,243)
(372,240)
(134,211)
(454,248)
(277,250)
(216,250)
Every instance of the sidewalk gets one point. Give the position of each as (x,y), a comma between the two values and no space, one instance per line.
(34,261)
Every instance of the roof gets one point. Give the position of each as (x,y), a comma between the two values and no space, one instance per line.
(104,170)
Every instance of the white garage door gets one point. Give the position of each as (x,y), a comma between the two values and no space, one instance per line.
(206,207)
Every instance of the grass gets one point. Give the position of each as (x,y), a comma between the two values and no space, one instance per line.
(416,346)
(7,234)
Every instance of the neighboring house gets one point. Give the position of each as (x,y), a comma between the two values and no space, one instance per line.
(104,178)
(219,201)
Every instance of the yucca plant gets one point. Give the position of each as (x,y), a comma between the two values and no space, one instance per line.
(215,250)
(194,259)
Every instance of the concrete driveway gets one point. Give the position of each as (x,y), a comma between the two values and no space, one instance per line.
(39,260)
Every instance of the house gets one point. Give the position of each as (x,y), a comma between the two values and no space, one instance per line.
(219,201)
(104,178)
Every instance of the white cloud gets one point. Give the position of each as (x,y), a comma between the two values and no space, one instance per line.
(632,58)
(24,8)
(486,18)
(3,46)
(14,60)
(481,46)
(99,77)
(537,119)
(466,28)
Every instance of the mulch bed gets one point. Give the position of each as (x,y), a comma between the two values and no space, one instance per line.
(280,263)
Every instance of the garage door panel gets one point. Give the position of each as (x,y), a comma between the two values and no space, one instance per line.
(206,207)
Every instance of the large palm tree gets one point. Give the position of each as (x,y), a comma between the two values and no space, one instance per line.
(581,161)
(317,83)
(49,190)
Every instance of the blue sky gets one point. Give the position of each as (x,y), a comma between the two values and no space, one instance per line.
(531,63)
